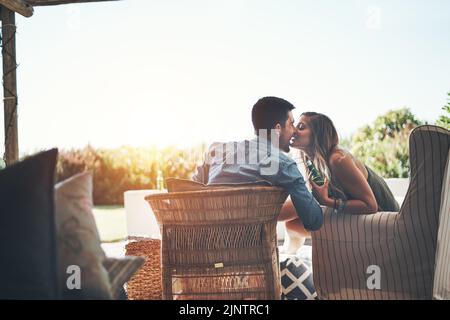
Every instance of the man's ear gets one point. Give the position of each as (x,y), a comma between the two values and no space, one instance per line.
(277,129)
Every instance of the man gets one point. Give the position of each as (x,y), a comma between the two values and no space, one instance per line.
(263,159)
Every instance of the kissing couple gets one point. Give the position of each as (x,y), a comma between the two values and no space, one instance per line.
(349,186)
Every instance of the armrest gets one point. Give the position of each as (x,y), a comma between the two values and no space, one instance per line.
(356,228)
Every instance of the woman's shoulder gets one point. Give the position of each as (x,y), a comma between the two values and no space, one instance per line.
(343,163)
(339,157)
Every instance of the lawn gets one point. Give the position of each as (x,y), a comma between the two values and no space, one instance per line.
(111,223)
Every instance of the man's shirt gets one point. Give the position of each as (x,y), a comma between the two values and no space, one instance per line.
(255,160)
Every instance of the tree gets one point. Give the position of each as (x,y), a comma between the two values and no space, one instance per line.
(383,146)
(444,120)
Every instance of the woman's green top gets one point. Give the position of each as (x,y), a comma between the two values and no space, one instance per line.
(385,199)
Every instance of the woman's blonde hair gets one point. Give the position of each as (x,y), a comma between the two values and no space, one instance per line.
(324,140)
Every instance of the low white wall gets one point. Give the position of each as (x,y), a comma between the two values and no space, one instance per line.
(398,186)
(141,220)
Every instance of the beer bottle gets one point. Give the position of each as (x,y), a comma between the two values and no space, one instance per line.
(159,181)
(315,175)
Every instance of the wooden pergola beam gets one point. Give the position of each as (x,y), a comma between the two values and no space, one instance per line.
(19,6)
(55,2)
(25,7)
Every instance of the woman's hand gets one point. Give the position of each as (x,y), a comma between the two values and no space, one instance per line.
(321,192)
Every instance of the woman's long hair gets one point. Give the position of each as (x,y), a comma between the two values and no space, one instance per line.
(324,140)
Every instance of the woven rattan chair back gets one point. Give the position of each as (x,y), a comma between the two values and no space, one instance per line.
(219,244)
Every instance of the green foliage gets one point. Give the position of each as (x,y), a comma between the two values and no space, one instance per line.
(444,120)
(346,142)
(118,170)
(383,145)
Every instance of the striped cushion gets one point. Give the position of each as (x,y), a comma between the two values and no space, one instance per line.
(120,271)
(441,286)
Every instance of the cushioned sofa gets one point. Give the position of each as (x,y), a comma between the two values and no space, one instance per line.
(49,243)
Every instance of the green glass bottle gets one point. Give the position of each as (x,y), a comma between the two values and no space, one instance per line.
(315,175)
(159,181)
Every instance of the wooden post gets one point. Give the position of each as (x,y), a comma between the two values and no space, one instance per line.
(9,85)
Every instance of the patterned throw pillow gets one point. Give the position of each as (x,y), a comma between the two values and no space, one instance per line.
(79,241)
(296,278)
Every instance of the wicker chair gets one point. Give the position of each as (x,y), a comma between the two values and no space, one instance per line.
(219,244)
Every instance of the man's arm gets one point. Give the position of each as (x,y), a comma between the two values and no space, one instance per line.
(290,178)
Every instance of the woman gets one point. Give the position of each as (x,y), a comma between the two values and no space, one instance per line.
(350,187)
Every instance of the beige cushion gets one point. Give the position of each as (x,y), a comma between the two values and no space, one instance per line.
(179,185)
(78,239)
(79,244)
(183,185)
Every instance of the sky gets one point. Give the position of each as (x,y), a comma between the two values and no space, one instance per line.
(144,73)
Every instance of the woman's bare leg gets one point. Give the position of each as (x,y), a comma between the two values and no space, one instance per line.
(295,233)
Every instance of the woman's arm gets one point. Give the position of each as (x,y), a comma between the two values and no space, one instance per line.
(354,184)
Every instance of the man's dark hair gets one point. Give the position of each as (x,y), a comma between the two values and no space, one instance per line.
(269,111)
